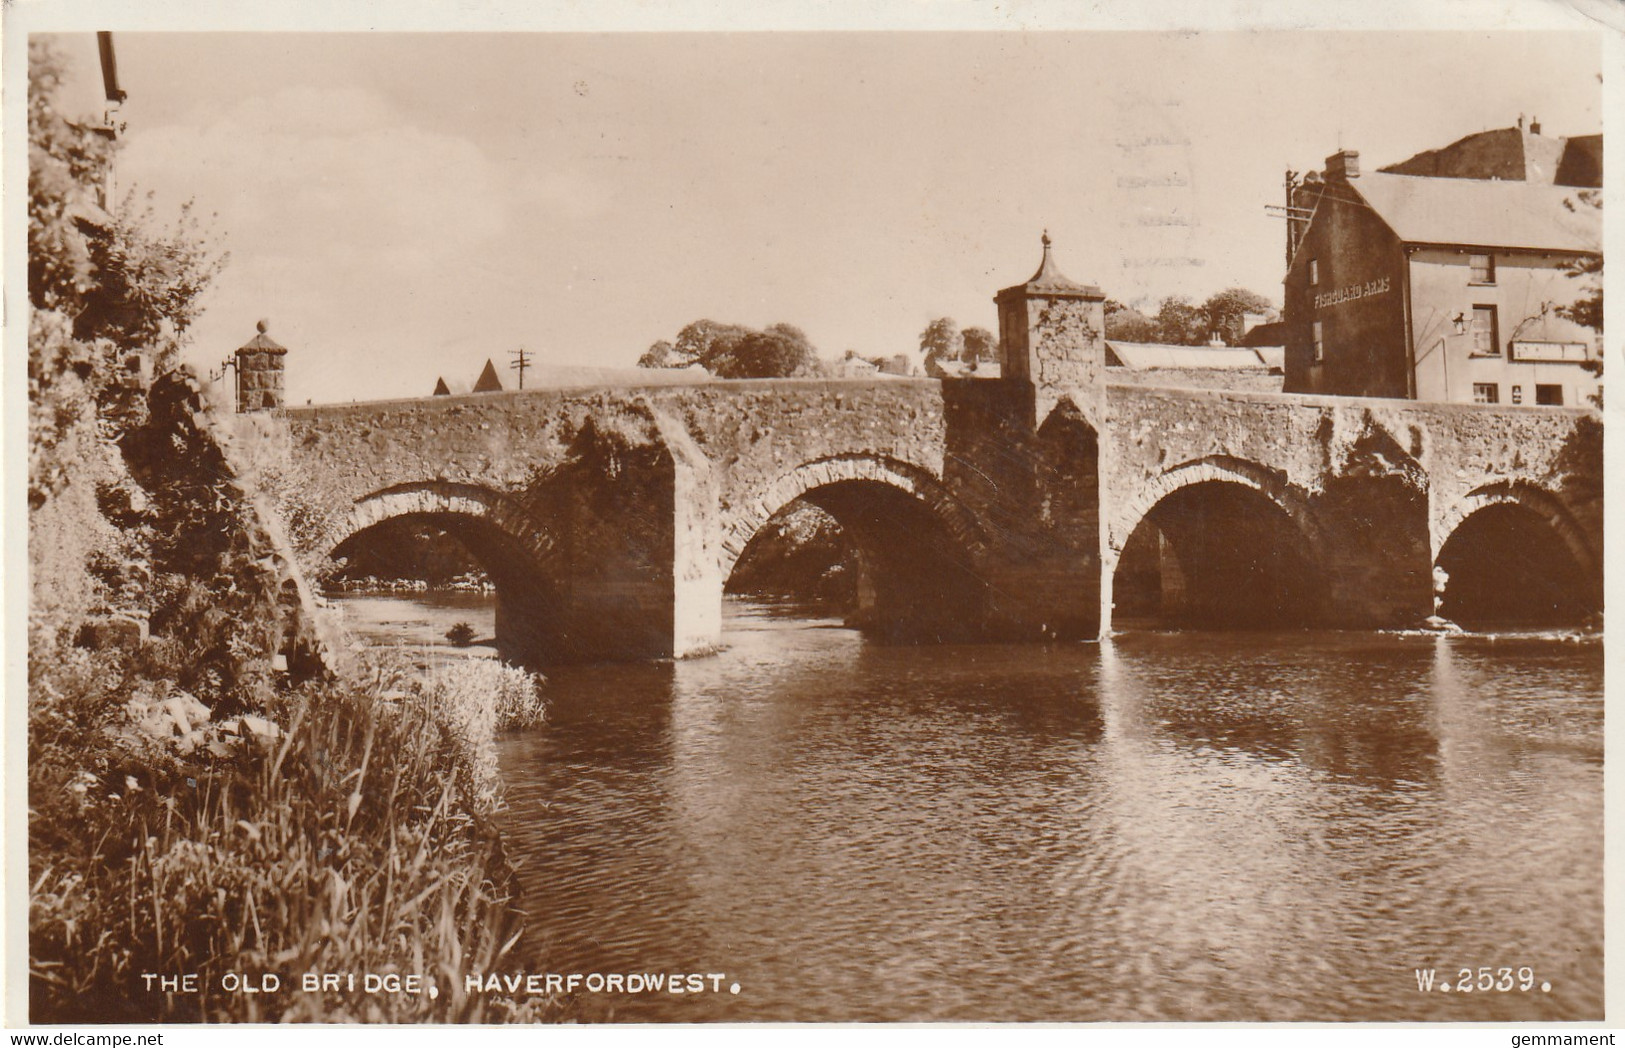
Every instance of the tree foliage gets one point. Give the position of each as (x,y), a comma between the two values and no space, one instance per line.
(735,351)
(941,342)
(981,346)
(1128,324)
(1225,312)
(1586,310)
(659,355)
(1180,322)
(120,275)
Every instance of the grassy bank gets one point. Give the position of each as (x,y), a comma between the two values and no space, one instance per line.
(347,830)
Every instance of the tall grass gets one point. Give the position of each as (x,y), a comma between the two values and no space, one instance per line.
(357,839)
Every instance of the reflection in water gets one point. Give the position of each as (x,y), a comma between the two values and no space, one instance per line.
(1236,827)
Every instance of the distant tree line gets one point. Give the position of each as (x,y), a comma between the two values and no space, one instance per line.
(784,351)
(1180,322)
(736,351)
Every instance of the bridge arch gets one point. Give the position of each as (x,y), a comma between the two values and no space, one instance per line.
(744,523)
(519,555)
(1216,542)
(446,499)
(1510,552)
(915,547)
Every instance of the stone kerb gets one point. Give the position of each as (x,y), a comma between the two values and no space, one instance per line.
(1542,503)
(755,512)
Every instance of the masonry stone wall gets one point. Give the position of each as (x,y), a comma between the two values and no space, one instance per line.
(626,508)
(1246,380)
(672,480)
(1374,486)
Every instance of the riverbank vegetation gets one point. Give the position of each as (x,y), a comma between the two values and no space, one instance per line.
(345,827)
(220,801)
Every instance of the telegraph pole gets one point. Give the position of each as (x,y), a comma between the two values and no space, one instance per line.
(521,361)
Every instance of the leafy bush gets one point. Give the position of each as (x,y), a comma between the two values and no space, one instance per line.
(462,634)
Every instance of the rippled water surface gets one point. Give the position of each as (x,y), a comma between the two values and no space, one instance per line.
(1194,826)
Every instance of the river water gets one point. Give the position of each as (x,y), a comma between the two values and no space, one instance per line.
(1163,827)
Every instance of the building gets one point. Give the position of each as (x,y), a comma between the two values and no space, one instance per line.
(1439,288)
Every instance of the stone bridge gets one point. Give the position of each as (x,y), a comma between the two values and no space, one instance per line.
(1049,503)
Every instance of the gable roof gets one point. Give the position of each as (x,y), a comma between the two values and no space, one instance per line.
(488,381)
(1473,213)
(1512,153)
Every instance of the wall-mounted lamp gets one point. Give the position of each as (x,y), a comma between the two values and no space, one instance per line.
(1460,322)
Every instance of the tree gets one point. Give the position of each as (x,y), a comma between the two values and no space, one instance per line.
(734,351)
(981,347)
(1587,309)
(1128,324)
(119,276)
(782,351)
(940,342)
(1225,311)
(659,355)
(1180,323)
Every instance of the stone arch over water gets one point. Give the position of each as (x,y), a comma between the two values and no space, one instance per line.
(916,547)
(1511,553)
(1217,543)
(517,554)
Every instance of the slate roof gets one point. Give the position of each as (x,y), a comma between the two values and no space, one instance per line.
(488,382)
(1146,356)
(1473,213)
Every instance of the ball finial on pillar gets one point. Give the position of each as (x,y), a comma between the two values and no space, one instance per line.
(260,372)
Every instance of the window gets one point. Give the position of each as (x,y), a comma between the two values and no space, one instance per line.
(1486,340)
(1483,267)
(1314,271)
(1486,393)
(1517,394)
(1552,396)
(1320,343)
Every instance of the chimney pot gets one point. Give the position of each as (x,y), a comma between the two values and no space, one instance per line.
(1534,126)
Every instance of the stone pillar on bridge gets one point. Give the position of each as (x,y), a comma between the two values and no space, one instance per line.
(260,369)
(1052,334)
(1025,453)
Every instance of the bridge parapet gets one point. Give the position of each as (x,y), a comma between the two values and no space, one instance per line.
(1007,504)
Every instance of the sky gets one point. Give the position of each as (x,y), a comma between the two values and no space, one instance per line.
(404,206)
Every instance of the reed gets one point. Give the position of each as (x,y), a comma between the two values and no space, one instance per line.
(357,839)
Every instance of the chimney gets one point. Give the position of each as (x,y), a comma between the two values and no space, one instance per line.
(1343,165)
(1534,126)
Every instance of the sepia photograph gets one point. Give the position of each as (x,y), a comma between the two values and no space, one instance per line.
(1024,525)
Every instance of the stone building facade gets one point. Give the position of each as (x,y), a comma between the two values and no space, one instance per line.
(1439,288)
